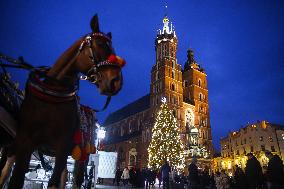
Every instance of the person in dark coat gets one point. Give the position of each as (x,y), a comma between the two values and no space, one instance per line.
(165,170)
(239,178)
(193,174)
(117,176)
(253,172)
(205,178)
(275,175)
(159,176)
(132,175)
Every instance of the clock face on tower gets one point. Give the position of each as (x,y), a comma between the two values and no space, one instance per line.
(189,118)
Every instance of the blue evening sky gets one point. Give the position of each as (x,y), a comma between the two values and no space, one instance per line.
(240,43)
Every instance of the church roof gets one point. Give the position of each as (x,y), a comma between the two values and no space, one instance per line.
(138,105)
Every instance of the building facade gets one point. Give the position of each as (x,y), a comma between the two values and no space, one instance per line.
(255,138)
(129,129)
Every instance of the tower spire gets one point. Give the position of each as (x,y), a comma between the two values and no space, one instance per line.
(166,8)
(167,25)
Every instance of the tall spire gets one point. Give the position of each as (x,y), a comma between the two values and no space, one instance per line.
(167,26)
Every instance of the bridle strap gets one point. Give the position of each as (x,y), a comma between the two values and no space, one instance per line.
(105,106)
(94,69)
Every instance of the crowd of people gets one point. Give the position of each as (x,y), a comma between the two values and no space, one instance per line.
(251,178)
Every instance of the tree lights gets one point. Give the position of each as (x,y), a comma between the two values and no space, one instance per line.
(166,143)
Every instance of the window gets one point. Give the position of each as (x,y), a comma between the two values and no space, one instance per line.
(262,147)
(173,74)
(174,112)
(173,86)
(200,96)
(245,140)
(185,83)
(272,149)
(199,82)
(251,149)
(157,75)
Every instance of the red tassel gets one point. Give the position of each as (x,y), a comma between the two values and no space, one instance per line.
(77,137)
(112,58)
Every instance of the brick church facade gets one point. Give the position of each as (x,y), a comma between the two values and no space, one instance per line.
(128,130)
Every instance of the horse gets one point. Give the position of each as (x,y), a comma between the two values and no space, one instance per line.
(48,116)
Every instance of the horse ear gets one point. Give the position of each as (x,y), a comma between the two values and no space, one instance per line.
(109,35)
(95,24)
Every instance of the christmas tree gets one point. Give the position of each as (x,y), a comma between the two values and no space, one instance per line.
(166,143)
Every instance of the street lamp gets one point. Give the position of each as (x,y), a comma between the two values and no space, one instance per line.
(101,134)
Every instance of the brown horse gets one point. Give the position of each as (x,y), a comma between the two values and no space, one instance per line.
(48,119)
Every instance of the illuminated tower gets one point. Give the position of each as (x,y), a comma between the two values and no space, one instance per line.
(195,92)
(166,74)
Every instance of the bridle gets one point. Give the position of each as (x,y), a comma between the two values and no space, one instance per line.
(93,73)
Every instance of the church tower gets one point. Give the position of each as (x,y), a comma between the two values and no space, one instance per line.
(195,92)
(166,74)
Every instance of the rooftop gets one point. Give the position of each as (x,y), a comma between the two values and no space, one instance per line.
(138,105)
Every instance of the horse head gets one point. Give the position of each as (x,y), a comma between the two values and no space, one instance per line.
(98,61)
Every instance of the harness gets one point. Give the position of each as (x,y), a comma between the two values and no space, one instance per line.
(46,92)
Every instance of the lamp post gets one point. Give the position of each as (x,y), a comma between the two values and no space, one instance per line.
(101,134)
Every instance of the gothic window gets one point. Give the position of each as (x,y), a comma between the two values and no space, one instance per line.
(129,127)
(201,97)
(199,82)
(174,112)
(138,124)
(173,64)
(189,119)
(262,147)
(173,86)
(157,100)
(121,131)
(272,149)
(173,74)
(185,83)
(157,75)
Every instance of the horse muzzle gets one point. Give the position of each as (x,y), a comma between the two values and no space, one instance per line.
(111,87)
